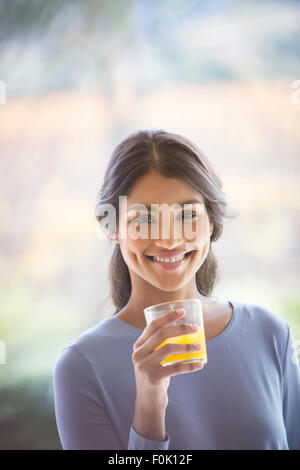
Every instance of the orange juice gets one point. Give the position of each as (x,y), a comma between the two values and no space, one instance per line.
(195,356)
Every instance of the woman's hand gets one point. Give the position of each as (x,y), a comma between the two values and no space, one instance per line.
(152,378)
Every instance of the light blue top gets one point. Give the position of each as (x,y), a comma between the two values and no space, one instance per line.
(246,397)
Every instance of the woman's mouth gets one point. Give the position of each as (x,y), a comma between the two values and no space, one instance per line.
(170,265)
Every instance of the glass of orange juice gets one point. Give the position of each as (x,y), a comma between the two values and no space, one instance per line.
(193,315)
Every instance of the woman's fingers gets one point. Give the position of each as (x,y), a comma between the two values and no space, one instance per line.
(165,333)
(179,368)
(156,325)
(159,373)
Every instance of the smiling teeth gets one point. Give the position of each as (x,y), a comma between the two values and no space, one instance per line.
(169,260)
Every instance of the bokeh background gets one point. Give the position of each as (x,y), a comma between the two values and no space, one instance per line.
(79,77)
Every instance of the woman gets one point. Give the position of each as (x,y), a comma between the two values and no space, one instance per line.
(111,390)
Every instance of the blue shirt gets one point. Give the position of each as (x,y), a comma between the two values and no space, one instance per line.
(246,397)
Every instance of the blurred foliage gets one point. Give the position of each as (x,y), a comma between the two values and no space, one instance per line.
(148,43)
(35,326)
(23,18)
(290,308)
(27,417)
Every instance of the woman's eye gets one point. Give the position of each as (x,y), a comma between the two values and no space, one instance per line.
(193,214)
(145,219)
(141,219)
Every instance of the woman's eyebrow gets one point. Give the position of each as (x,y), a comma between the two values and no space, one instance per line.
(149,208)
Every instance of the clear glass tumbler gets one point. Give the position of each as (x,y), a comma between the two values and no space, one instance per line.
(193,315)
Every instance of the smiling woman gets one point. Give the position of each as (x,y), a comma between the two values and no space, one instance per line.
(158,168)
(111,389)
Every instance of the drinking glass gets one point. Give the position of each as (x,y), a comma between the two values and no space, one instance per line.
(194,315)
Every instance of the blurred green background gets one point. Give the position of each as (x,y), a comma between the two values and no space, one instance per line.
(79,77)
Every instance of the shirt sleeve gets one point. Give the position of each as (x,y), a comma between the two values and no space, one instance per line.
(138,442)
(81,416)
(291,394)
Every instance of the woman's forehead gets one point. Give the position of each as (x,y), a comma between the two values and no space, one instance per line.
(156,207)
(155,188)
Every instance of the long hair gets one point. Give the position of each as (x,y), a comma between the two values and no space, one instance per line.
(173,156)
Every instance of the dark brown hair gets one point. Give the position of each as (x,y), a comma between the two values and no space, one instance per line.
(173,156)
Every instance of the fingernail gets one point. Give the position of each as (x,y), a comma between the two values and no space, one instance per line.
(179,312)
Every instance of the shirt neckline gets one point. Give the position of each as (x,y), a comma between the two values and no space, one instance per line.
(224,332)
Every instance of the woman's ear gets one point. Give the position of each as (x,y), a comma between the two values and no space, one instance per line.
(115,237)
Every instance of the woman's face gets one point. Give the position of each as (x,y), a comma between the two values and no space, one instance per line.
(174,229)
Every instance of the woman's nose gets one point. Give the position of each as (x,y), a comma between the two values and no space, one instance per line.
(170,232)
